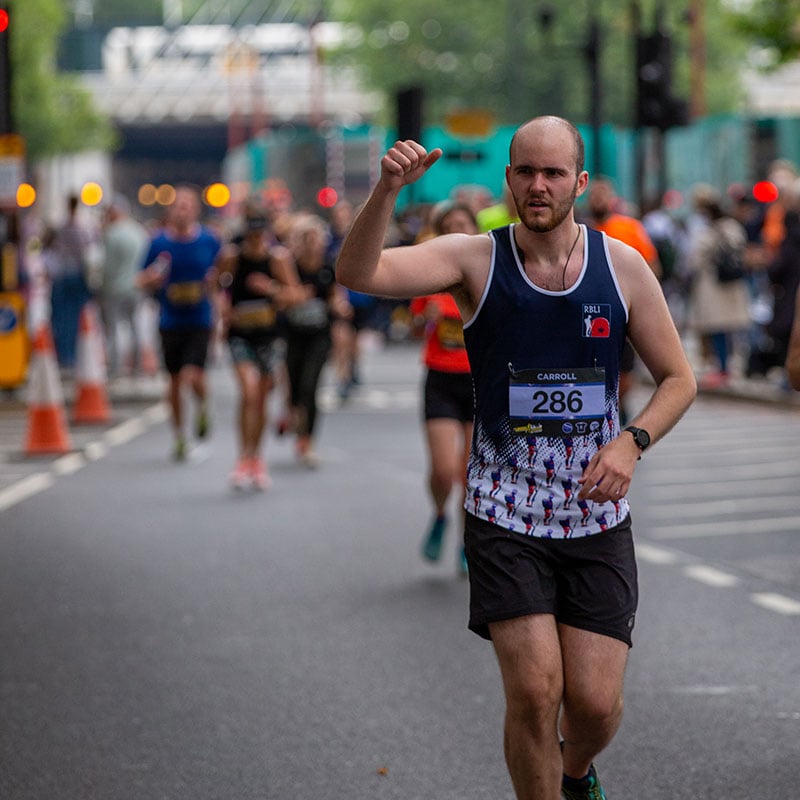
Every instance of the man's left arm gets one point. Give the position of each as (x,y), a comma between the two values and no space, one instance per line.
(657,342)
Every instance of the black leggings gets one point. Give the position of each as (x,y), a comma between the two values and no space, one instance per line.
(306,355)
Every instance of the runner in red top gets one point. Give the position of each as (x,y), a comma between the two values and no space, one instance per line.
(448,388)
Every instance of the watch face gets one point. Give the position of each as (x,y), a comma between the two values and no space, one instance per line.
(640,436)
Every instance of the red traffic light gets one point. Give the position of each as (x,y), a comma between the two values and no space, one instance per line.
(3,20)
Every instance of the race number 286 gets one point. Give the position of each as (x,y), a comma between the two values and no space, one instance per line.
(557,401)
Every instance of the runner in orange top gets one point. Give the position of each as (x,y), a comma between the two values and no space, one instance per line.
(448,388)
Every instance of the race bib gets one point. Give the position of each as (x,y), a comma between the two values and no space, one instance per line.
(557,402)
(253,314)
(450,333)
(186,293)
(311,315)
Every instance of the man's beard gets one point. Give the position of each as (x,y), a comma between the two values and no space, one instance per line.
(559,214)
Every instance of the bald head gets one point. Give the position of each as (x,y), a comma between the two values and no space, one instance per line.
(549,126)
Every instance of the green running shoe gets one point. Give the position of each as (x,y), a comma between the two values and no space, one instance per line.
(463,567)
(202,424)
(179,449)
(432,546)
(588,788)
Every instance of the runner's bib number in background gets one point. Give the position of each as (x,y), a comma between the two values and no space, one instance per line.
(557,402)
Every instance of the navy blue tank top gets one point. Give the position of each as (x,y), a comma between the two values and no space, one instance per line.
(545,369)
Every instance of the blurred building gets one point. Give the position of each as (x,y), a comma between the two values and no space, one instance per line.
(181,97)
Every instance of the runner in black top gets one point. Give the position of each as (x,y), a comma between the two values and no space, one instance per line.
(260,279)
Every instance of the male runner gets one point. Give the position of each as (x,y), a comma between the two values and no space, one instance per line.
(559,611)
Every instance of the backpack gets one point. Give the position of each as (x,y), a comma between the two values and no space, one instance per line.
(728,262)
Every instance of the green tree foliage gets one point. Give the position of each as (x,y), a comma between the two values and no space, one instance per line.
(773,25)
(53,113)
(518,58)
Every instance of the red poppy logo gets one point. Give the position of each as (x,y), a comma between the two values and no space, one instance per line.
(601,328)
(597,320)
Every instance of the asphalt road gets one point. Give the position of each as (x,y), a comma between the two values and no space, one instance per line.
(165,637)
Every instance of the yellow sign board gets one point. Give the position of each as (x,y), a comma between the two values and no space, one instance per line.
(12,144)
(472,122)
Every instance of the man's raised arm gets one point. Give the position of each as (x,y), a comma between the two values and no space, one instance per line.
(362,265)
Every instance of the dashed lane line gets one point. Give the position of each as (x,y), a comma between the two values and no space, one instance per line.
(738,472)
(733,527)
(71,463)
(671,488)
(25,488)
(716,578)
(777,603)
(738,505)
(655,555)
(710,576)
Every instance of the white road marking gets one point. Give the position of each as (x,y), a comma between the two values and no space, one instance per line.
(27,487)
(655,555)
(776,602)
(69,464)
(72,462)
(710,576)
(126,431)
(735,527)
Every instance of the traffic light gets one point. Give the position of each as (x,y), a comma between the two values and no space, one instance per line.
(409,113)
(6,121)
(655,105)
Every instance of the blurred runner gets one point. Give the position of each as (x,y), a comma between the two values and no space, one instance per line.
(448,404)
(258,277)
(308,328)
(179,271)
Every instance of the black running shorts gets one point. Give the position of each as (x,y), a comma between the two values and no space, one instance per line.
(448,395)
(184,347)
(266,352)
(588,583)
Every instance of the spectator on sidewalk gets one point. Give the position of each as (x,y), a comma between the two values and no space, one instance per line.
(784,277)
(67,271)
(718,309)
(125,243)
(793,356)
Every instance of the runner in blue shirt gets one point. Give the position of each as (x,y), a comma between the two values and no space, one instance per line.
(178,271)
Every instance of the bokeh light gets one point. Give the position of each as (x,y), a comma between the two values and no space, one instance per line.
(327,197)
(765,192)
(91,194)
(26,195)
(217,195)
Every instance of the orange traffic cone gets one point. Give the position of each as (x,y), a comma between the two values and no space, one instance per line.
(91,398)
(47,427)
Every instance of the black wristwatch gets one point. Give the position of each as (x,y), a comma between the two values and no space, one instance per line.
(640,436)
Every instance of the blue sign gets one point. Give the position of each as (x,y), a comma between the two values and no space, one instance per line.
(8,319)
